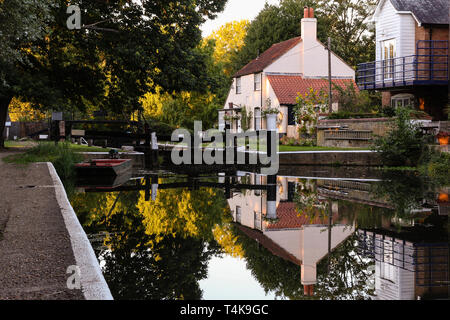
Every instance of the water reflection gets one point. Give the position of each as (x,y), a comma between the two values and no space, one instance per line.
(301,236)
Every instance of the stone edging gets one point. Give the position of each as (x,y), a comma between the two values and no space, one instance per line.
(94,286)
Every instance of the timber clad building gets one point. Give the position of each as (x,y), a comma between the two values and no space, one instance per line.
(411,67)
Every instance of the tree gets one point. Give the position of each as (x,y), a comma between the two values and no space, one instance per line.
(273,24)
(21,22)
(123,50)
(228,40)
(345,21)
(404,144)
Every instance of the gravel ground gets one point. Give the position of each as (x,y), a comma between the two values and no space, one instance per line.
(35,249)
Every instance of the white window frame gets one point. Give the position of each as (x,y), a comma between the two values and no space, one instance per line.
(388,54)
(403,100)
(257,79)
(238,85)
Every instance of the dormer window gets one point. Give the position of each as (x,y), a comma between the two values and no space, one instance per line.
(257,81)
(238,85)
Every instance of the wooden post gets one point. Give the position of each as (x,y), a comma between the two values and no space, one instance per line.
(330,92)
(147,150)
(154,150)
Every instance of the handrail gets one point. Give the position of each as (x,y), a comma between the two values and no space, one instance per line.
(430,64)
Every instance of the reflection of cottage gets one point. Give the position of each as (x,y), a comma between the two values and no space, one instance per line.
(411,67)
(278,75)
(407,266)
(287,234)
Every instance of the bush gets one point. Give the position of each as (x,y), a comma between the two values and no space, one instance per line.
(437,166)
(404,145)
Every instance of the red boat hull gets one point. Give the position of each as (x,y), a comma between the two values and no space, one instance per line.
(102,167)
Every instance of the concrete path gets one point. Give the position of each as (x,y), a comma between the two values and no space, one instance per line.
(35,246)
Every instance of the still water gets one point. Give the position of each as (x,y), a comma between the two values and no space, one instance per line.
(307,233)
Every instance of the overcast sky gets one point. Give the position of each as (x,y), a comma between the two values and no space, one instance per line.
(236,10)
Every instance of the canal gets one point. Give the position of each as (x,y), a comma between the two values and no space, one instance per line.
(307,233)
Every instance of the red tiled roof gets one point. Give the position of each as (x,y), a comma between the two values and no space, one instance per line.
(268,57)
(288,218)
(287,87)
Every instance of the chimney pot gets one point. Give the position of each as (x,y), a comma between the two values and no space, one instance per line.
(306,12)
(311,12)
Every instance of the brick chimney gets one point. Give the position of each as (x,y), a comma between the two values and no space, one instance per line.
(308,290)
(309,40)
(309,25)
(308,12)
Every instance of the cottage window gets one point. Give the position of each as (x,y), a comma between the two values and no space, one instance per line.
(257,81)
(291,116)
(238,214)
(402,100)
(238,86)
(257,220)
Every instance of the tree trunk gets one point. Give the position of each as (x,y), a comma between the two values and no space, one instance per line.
(4,104)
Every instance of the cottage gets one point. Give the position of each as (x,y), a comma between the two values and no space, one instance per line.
(278,75)
(274,222)
(411,67)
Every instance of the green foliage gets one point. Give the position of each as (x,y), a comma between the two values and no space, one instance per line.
(61,155)
(404,144)
(349,276)
(437,167)
(274,23)
(405,191)
(307,110)
(345,21)
(352,100)
(348,24)
(124,50)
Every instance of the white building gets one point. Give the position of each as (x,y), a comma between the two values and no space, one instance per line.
(279,74)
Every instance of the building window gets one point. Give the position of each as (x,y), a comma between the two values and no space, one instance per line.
(238,86)
(257,220)
(238,214)
(257,81)
(402,100)
(291,116)
(389,54)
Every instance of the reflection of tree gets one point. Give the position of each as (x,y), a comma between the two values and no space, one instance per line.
(406,191)
(273,273)
(183,212)
(154,250)
(365,216)
(169,270)
(350,274)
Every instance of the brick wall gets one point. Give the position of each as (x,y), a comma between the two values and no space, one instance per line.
(378,126)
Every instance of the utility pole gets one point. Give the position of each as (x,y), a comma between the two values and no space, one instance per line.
(330,93)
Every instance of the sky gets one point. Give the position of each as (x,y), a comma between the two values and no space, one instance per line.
(235,10)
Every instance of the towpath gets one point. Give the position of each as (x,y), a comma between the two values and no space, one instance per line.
(35,246)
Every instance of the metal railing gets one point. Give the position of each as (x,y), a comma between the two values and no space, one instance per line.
(429,261)
(428,66)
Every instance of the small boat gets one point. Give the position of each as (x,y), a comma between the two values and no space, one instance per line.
(103,167)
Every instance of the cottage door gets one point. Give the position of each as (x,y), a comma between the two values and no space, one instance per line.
(388,52)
